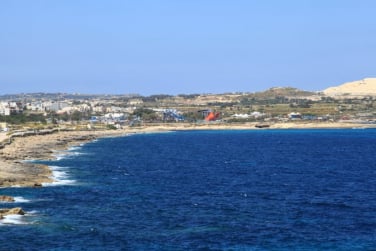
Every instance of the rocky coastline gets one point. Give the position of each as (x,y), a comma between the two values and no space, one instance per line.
(16,151)
(16,166)
(15,170)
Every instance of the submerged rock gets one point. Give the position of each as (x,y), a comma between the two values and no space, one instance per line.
(6,198)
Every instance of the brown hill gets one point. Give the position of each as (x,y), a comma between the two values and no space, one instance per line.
(283,91)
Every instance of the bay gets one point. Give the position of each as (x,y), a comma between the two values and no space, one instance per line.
(205,190)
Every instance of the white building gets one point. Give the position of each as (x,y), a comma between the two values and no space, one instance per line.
(8,108)
(55,106)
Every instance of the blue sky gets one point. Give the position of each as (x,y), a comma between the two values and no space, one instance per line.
(184,46)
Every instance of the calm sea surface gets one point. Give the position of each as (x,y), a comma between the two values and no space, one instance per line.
(205,190)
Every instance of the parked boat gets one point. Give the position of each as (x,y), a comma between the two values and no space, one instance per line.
(262,125)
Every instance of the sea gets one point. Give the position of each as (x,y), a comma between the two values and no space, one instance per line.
(204,190)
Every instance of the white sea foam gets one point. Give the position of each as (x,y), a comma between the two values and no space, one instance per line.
(19,199)
(16,219)
(59,155)
(75,148)
(60,177)
(63,154)
(13,219)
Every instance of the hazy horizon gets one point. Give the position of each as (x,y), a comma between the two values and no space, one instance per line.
(184,47)
(145,95)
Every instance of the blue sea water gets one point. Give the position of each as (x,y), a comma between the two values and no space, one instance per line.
(205,190)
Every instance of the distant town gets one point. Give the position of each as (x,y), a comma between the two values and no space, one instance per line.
(48,110)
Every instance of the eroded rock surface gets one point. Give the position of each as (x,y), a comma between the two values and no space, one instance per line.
(6,198)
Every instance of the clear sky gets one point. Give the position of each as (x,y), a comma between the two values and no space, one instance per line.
(184,46)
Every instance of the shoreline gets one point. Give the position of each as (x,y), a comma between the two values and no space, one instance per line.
(16,159)
(15,170)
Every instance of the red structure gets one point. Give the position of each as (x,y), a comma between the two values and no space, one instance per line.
(212,116)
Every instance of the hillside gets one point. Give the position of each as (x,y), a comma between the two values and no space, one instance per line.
(364,87)
(283,91)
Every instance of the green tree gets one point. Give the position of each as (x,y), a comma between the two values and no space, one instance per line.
(76,116)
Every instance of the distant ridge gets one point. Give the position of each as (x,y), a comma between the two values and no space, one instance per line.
(284,91)
(364,87)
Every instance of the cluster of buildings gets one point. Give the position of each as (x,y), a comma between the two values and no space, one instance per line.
(10,108)
(60,107)
(236,107)
(95,110)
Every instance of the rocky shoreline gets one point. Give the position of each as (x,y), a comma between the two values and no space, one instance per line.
(16,171)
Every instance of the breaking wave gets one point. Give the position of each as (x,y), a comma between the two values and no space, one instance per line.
(60,177)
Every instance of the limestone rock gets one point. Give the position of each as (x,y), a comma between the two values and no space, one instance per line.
(6,198)
(16,210)
(10,211)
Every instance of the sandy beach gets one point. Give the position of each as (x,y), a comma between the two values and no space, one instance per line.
(15,170)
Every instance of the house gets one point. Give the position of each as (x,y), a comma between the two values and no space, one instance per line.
(295,116)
